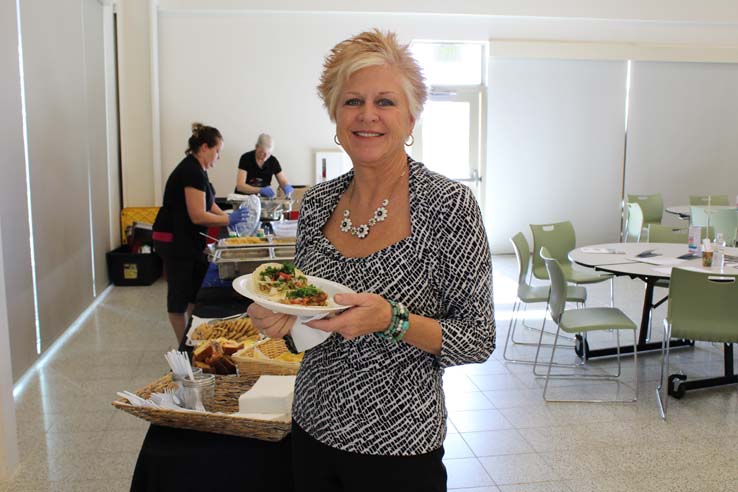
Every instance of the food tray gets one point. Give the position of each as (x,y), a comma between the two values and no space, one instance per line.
(232,262)
(226,243)
(259,359)
(242,335)
(227,391)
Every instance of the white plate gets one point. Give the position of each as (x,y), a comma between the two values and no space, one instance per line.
(244,286)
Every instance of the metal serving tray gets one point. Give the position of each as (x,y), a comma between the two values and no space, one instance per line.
(236,261)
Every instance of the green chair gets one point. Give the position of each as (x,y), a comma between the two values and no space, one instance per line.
(528,294)
(705,200)
(702,306)
(559,238)
(582,321)
(723,220)
(651,205)
(634,225)
(676,235)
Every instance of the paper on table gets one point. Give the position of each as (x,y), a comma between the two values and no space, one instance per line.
(658,260)
(305,337)
(610,251)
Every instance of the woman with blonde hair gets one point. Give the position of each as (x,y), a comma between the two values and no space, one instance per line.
(369,410)
(256,168)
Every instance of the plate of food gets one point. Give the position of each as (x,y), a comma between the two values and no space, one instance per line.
(283,288)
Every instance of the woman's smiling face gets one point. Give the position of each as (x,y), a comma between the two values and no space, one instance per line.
(373,119)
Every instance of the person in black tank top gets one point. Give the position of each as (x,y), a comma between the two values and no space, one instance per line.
(256,168)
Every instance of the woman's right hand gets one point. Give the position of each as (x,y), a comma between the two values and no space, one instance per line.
(273,325)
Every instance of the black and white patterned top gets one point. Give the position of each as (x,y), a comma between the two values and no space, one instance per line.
(369,395)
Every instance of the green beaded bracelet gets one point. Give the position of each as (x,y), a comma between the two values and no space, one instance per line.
(398,324)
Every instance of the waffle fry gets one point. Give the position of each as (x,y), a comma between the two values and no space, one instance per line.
(289,357)
(239,329)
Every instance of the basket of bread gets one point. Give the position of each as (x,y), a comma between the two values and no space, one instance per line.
(223,413)
(269,356)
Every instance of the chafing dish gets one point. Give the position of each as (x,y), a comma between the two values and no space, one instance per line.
(241,260)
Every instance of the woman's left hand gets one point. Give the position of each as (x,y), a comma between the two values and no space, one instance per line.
(369,313)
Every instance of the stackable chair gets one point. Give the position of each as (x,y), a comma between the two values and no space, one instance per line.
(705,200)
(667,234)
(723,220)
(528,294)
(702,306)
(652,207)
(676,235)
(582,321)
(634,225)
(559,238)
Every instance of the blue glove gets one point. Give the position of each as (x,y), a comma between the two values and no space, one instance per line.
(238,215)
(287,190)
(267,192)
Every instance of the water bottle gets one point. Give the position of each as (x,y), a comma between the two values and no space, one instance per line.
(719,250)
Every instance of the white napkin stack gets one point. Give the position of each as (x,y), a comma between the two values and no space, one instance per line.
(270,398)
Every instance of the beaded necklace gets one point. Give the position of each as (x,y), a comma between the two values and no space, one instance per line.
(380,214)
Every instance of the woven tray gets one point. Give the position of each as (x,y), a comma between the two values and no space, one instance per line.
(227,391)
(259,359)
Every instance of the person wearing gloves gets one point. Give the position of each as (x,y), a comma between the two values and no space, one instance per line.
(369,411)
(188,209)
(256,168)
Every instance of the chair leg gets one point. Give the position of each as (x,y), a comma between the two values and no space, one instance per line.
(609,377)
(662,394)
(511,328)
(612,291)
(550,364)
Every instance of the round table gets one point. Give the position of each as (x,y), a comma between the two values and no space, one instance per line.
(621,259)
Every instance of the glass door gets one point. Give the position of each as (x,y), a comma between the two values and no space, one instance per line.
(447,138)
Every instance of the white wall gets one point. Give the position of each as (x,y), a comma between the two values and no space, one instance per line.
(656,21)
(13,209)
(8,441)
(683,130)
(555,142)
(13,245)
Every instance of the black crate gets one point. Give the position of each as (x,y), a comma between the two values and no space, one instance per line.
(126,268)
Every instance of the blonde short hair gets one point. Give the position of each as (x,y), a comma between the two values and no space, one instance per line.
(264,141)
(371,48)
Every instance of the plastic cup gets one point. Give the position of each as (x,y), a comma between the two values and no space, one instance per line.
(707,258)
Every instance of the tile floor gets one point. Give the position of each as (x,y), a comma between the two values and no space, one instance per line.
(502,436)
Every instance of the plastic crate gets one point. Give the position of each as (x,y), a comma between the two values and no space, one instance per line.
(126,268)
(129,215)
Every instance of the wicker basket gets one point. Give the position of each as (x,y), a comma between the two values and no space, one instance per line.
(227,391)
(260,359)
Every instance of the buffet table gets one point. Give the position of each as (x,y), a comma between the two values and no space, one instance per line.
(180,460)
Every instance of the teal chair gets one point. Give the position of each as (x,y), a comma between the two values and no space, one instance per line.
(705,200)
(651,205)
(634,225)
(702,306)
(582,321)
(723,220)
(528,294)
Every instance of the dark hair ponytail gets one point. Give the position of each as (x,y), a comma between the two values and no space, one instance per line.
(202,134)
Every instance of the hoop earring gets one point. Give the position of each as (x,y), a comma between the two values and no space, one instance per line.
(412,141)
(335,140)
